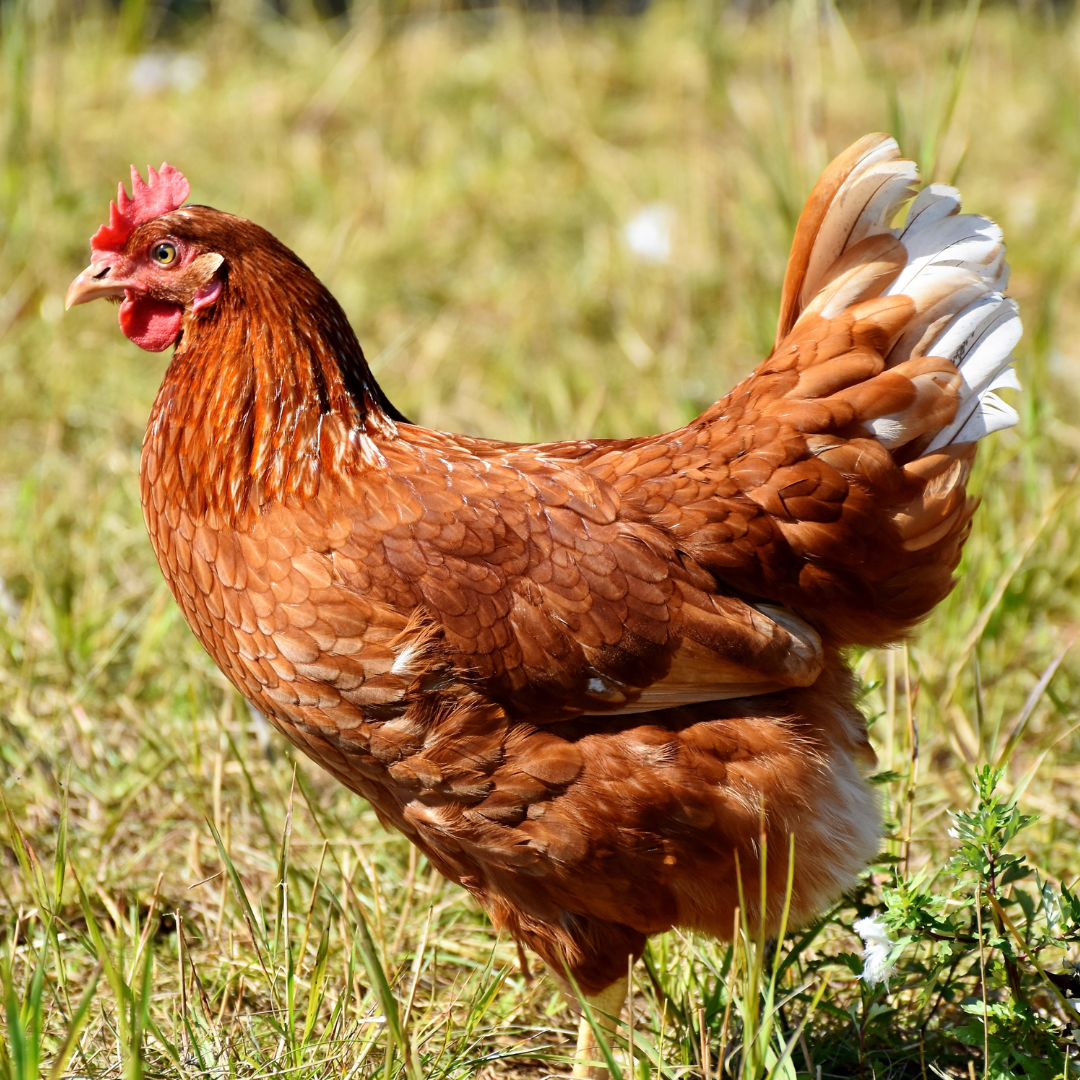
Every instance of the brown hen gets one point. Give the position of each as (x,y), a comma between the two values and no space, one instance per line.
(582,676)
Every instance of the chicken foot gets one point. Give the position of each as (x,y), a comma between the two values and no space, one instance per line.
(606,1008)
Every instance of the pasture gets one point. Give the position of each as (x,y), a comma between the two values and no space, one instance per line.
(180,896)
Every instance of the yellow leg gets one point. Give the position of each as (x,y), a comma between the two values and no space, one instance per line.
(606,1008)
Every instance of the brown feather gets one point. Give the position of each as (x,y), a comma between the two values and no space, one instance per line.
(579,676)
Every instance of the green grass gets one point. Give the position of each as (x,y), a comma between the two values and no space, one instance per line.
(178,896)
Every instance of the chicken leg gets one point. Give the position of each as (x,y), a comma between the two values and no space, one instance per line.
(606,1008)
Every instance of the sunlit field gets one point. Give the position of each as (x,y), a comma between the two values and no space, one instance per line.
(541,227)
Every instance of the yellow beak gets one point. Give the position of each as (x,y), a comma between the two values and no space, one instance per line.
(92,284)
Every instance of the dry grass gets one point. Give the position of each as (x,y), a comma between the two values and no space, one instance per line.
(461,181)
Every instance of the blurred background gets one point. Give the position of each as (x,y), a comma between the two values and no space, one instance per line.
(544,221)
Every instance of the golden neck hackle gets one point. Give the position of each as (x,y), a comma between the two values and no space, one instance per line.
(268,391)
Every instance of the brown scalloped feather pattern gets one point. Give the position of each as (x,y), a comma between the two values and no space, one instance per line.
(586,679)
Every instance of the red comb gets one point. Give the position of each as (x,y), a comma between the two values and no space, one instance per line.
(160,193)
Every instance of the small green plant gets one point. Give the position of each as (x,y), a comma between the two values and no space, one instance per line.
(974,941)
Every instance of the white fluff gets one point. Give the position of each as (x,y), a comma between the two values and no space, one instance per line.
(648,233)
(404,660)
(155,72)
(877,945)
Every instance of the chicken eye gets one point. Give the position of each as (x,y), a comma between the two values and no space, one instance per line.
(164,254)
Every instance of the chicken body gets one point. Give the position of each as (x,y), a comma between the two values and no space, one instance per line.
(585,679)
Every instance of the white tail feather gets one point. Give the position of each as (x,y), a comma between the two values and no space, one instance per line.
(934,202)
(955,273)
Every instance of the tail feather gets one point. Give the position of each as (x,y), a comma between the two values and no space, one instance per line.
(981,346)
(956,290)
(820,238)
(863,272)
(951,265)
(893,336)
(863,207)
(934,202)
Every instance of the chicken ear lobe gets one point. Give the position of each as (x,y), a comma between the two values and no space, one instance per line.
(203,273)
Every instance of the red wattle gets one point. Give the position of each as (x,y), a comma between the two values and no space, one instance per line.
(152,324)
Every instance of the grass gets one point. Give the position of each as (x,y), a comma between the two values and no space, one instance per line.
(179,896)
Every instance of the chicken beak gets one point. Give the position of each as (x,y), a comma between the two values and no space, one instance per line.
(92,284)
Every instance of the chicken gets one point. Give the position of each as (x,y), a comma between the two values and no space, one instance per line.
(584,678)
